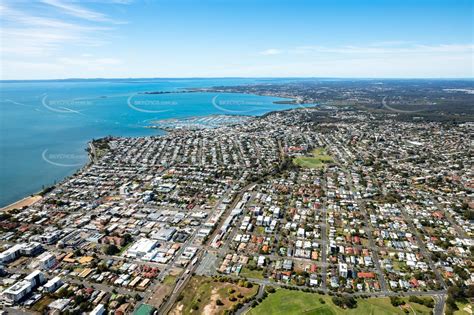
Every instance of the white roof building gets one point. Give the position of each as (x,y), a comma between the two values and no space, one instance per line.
(17,291)
(141,247)
(98,310)
(53,284)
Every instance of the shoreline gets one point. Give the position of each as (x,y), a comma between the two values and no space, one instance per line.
(287,99)
(25,202)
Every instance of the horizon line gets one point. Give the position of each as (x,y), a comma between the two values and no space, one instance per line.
(243,77)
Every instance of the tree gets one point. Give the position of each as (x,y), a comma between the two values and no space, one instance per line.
(84,306)
(111,249)
(127,238)
(396,301)
(270,289)
(344,301)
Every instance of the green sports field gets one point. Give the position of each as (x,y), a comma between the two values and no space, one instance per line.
(318,159)
(296,302)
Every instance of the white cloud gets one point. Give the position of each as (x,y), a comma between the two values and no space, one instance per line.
(64,67)
(377,48)
(80,12)
(37,43)
(371,67)
(384,48)
(17,17)
(89,62)
(32,34)
(271,52)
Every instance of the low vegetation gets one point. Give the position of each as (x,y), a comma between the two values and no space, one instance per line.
(318,160)
(220,295)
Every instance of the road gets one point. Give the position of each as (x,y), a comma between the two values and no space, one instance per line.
(181,282)
(266,282)
(324,243)
(369,231)
(450,219)
(245,308)
(423,249)
(440,302)
(14,310)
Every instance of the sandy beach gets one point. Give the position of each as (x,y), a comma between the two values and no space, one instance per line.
(25,202)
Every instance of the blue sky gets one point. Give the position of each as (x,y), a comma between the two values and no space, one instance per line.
(253,38)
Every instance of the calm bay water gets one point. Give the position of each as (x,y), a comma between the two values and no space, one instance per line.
(45,125)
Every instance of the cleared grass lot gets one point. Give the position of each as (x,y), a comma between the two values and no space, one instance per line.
(319,159)
(247,273)
(463,309)
(204,295)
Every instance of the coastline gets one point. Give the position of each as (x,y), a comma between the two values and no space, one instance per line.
(25,202)
(288,99)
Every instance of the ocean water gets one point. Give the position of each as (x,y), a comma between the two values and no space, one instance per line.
(45,125)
